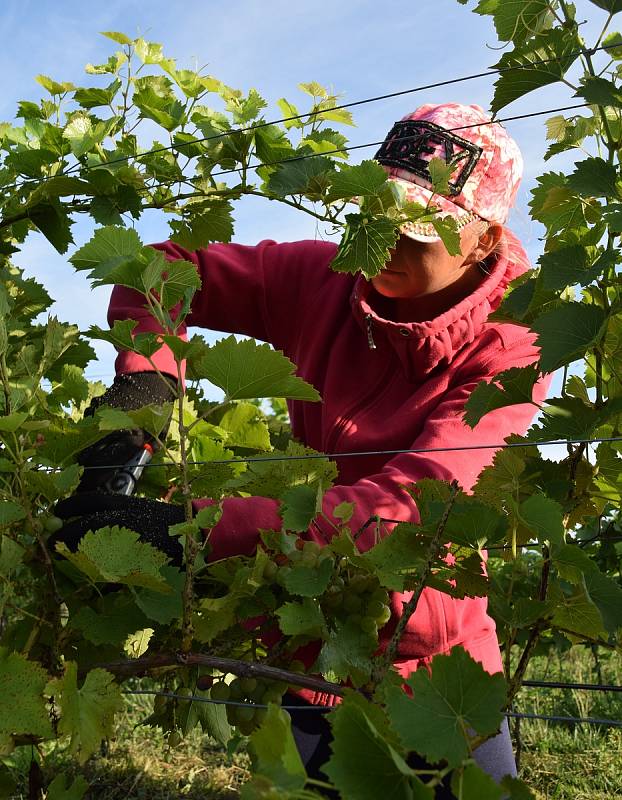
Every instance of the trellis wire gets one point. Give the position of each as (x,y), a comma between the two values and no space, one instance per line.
(406,451)
(324,709)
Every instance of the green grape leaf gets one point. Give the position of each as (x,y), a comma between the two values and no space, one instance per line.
(11,555)
(472,783)
(87,712)
(309,581)
(214,224)
(301,618)
(274,752)
(571,418)
(289,110)
(22,705)
(458,695)
(112,419)
(54,223)
(594,177)
(449,234)
(543,518)
(599,91)
(571,562)
(578,615)
(366,178)
(614,6)
(517,20)
(567,266)
(107,249)
(94,97)
(398,556)
(365,244)
(215,615)
(271,478)
(246,426)
(386,772)
(163,608)
(213,718)
(246,370)
(117,617)
(556,205)
(10,512)
(565,332)
(307,176)
(556,47)
(347,653)
(120,335)
(299,507)
(116,555)
(117,36)
(516,789)
(512,386)
(137,643)
(605,592)
(54,87)
(11,422)
(61,788)
(154,98)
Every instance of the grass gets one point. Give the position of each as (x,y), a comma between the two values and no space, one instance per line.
(578,762)
(559,762)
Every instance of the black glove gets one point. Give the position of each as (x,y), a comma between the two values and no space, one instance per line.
(149,518)
(128,392)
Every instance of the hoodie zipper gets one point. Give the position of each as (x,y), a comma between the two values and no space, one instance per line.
(370,334)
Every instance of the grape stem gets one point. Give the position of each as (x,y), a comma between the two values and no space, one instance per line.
(411,606)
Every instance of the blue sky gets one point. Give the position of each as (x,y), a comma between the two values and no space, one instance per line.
(359,49)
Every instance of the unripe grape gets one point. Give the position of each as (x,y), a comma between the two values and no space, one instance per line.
(381,595)
(375,608)
(383,618)
(235,688)
(272,696)
(53,524)
(248,685)
(220,691)
(358,584)
(352,603)
(311,547)
(244,713)
(270,571)
(174,739)
(368,625)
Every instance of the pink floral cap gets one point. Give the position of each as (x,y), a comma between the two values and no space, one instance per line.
(489,165)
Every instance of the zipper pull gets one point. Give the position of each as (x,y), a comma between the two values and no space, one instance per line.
(370,335)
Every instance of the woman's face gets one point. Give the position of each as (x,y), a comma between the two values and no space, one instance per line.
(417,269)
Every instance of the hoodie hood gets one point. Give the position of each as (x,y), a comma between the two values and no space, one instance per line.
(424,346)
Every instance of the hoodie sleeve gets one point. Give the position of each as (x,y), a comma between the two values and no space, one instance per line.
(383,493)
(238,285)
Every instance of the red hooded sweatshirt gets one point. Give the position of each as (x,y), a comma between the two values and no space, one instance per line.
(405,391)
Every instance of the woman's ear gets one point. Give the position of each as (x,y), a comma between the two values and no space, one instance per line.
(487,243)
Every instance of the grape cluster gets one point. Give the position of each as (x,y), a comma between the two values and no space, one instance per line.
(358,599)
(251,691)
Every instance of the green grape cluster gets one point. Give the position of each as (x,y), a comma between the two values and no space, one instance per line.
(248,690)
(358,598)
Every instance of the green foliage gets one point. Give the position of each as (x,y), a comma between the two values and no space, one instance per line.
(446,704)
(82,151)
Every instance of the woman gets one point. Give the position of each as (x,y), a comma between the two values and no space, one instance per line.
(395,360)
